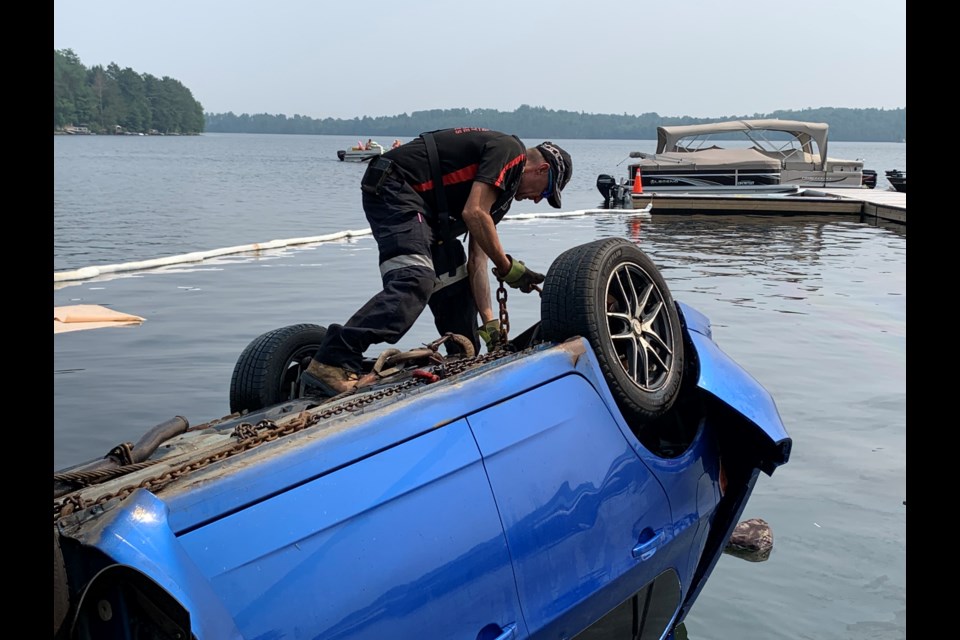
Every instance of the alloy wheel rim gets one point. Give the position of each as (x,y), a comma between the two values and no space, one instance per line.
(639,326)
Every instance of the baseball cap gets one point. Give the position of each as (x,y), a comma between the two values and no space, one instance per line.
(562,167)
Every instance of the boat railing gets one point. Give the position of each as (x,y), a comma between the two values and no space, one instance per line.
(659,158)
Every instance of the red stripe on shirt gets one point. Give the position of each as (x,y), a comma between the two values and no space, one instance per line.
(510,165)
(466,174)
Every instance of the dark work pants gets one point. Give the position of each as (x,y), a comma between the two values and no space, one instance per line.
(410,258)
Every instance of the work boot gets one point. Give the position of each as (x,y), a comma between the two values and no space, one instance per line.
(328,380)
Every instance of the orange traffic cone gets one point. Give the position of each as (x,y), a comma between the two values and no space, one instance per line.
(637,184)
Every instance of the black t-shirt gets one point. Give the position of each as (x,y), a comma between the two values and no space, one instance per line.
(466,154)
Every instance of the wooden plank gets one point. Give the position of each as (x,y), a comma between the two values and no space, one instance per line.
(882,205)
(892,199)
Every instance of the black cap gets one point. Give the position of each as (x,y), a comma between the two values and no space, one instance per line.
(562,166)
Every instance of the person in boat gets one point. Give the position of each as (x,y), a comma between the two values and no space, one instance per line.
(396,143)
(422,261)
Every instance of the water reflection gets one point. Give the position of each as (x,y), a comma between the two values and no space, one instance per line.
(787,259)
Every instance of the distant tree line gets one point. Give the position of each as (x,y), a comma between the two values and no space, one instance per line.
(861,125)
(112,100)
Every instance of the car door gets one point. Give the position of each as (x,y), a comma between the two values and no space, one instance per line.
(585,520)
(404,543)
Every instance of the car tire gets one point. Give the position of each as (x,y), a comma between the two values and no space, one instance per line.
(611,293)
(268,370)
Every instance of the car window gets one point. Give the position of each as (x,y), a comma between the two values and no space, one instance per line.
(643,616)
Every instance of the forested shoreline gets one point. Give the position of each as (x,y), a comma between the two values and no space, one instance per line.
(861,125)
(112,100)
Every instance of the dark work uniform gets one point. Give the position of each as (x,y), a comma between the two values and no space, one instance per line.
(418,265)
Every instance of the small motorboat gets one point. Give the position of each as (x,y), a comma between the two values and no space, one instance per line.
(897,179)
(361,153)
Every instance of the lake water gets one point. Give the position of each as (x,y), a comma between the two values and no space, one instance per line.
(813,307)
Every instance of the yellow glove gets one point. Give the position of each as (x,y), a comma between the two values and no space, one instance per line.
(490,332)
(520,276)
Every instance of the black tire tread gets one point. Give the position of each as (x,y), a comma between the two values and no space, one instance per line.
(256,377)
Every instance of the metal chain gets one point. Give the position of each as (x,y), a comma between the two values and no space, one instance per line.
(249,435)
(504,318)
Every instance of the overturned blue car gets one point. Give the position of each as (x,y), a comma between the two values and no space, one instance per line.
(581,479)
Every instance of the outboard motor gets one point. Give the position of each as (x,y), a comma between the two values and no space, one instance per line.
(606,184)
(615,196)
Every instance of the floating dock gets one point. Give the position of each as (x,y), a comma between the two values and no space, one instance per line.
(867,204)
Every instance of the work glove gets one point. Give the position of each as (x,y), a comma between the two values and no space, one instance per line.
(490,332)
(519,276)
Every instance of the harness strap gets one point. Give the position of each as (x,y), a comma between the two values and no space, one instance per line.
(443,214)
(433,156)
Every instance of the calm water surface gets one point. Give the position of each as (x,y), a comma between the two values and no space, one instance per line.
(814,308)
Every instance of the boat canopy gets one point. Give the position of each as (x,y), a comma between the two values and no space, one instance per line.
(710,159)
(804,132)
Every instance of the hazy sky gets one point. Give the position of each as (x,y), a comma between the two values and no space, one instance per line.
(346,58)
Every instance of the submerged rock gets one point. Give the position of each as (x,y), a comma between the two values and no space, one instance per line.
(751,540)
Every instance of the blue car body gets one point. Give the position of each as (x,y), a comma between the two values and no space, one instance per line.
(514,500)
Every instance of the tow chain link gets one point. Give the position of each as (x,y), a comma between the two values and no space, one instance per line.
(504,318)
(250,435)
